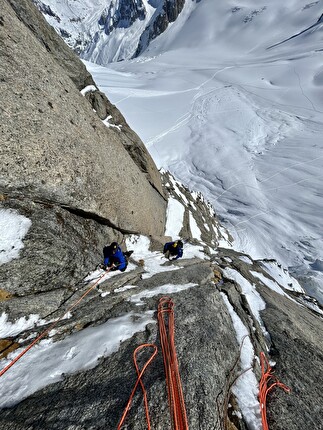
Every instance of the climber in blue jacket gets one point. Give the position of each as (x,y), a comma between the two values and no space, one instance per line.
(114,258)
(173,249)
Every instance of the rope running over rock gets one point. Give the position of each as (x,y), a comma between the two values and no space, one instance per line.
(267,382)
(166,322)
(54,323)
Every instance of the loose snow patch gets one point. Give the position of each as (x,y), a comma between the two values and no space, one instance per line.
(282,276)
(163,289)
(224,242)
(245,259)
(108,124)
(246,387)
(196,232)
(88,89)
(270,284)
(177,190)
(254,299)
(194,251)
(8,328)
(124,288)
(175,214)
(14,228)
(153,261)
(48,361)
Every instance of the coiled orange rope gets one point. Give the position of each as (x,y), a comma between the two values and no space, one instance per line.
(267,382)
(173,381)
(54,323)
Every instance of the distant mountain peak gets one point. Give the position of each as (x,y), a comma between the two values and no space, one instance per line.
(122,14)
(107,31)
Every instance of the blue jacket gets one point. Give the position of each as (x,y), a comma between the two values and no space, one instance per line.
(117,258)
(177,251)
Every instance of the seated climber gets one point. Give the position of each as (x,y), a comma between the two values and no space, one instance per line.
(173,249)
(114,258)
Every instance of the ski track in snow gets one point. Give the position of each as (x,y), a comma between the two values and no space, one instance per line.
(238,129)
(238,122)
(260,135)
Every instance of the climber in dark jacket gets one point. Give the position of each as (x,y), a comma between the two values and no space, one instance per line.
(173,249)
(114,258)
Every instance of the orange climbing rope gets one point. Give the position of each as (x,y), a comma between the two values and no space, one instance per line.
(54,323)
(166,322)
(139,380)
(267,382)
(173,381)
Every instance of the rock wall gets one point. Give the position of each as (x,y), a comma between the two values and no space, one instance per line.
(69,163)
(57,170)
(209,355)
(54,148)
(122,15)
(76,70)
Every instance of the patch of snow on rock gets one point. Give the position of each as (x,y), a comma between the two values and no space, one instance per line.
(175,214)
(14,228)
(282,276)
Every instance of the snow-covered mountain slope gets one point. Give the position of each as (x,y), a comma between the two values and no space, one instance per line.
(102,31)
(67,336)
(229,98)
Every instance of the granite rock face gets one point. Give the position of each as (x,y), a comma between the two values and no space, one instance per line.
(54,148)
(207,348)
(57,171)
(76,70)
(122,15)
(69,163)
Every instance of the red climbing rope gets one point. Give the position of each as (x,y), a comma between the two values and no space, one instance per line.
(139,380)
(267,382)
(173,381)
(4,370)
(166,322)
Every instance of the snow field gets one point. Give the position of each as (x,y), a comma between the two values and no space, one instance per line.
(237,120)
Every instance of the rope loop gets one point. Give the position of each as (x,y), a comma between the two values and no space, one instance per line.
(139,381)
(174,387)
(166,322)
(267,382)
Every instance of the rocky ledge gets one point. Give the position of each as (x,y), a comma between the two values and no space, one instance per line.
(228,309)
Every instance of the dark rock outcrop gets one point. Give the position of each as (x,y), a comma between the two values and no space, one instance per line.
(122,16)
(159,22)
(57,170)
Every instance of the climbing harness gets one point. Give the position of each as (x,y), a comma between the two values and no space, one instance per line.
(54,323)
(267,382)
(173,381)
